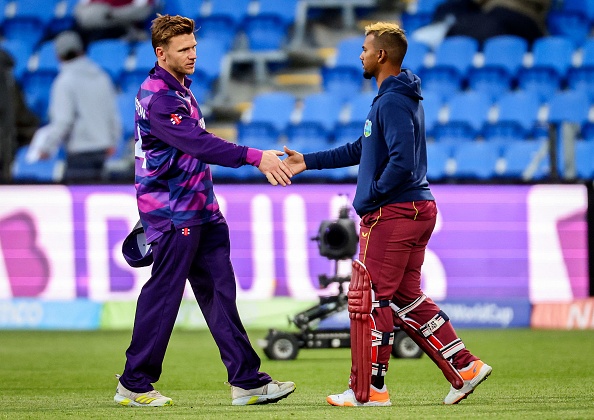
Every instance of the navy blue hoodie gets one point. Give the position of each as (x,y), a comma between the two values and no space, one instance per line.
(391,153)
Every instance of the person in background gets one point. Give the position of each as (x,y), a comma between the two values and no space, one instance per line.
(18,122)
(99,19)
(83,114)
(183,223)
(398,214)
(483,19)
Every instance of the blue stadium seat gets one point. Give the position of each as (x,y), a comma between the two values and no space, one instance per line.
(63,18)
(552,60)
(415,56)
(111,54)
(144,60)
(3,4)
(527,159)
(570,21)
(36,88)
(42,171)
(210,54)
(468,113)
(421,15)
(438,157)
(569,106)
(188,8)
(476,160)
(47,58)
(432,104)
(319,117)
(348,51)
(270,116)
(503,56)
(582,77)
(20,53)
(517,116)
(342,81)
(287,9)
(268,28)
(413,21)
(222,20)
(588,131)
(453,59)
(584,159)
(28,20)
(359,107)
(126,108)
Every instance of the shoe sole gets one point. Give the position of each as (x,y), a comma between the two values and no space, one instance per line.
(367,404)
(262,399)
(463,397)
(127,402)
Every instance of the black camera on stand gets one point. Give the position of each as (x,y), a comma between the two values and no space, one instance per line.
(337,240)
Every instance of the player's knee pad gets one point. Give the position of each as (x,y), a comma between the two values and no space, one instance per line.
(429,328)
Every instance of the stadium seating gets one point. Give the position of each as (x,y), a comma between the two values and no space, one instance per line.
(421,15)
(569,106)
(415,56)
(63,18)
(476,160)
(516,117)
(570,21)
(468,113)
(525,159)
(270,116)
(144,60)
(126,108)
(503,56)
(188,8)
(222,19)
(352,128)
(453,59)
(438,159)
(432,104)
(42,171)
(36,88)
(552,58)
(582,77)
(584,159)
(320,114)
(111,54)
(267,29)
(20,53)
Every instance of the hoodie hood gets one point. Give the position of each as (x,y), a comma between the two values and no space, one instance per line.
(406,83)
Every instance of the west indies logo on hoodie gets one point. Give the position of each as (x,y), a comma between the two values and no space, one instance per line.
(367,128)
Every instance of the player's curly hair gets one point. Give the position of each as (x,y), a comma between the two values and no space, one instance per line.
(165,27)
(389,37)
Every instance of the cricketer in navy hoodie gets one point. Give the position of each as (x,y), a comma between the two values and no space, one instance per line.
(391,152)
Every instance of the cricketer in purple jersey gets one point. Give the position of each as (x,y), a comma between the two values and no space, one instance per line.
(173,153)
(189,236)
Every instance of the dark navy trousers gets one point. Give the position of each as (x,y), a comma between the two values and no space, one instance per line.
(200,254)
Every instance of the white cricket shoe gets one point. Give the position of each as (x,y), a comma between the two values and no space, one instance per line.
(152,398)
(377,398)
(269,393)
(473,375)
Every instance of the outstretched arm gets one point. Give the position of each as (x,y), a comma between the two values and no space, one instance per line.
(294,161)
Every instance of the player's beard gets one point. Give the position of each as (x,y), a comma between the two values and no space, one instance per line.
(367,75)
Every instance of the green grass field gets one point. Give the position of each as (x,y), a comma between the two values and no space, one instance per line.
(70,375)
